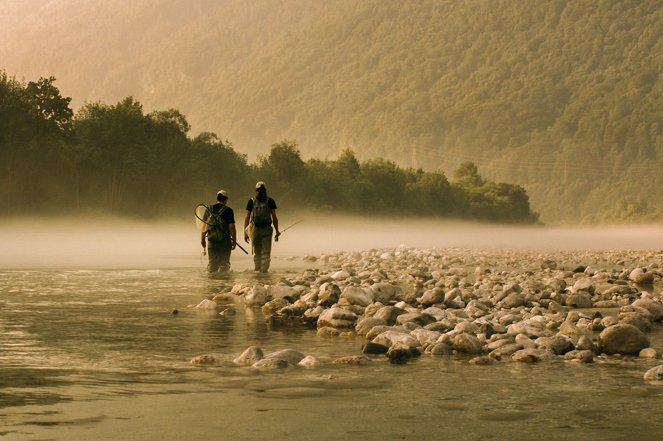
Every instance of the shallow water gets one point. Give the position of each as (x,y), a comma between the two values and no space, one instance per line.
(97,354)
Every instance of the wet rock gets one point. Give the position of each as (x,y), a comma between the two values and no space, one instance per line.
(309,362)
(582,356)
(390,338)
(257,296)
(483,360)
(649,353)
(327,331)
(250,355)
(622,339)
(558,344)
(425,337)
(205,360)
(635,319)
(270,363)
(289,355)
(352,360)
(207,304)
(531,355)
(419,318)
(440,349)
(505,351)
(372,348)
(654,374)
(467,344)
(399,354)
(338,318)
(273,306)
(281,291)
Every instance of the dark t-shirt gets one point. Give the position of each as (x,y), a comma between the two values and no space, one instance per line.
(270,203)
(227,214)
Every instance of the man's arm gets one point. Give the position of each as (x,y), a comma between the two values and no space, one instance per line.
(275,221)
(202,239)
(247,218)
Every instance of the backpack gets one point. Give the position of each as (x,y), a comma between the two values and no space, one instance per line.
(261,216)
(218,230)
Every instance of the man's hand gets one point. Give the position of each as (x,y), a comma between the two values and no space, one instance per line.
(232,245)
(246,238)
(202,242)
(276,238)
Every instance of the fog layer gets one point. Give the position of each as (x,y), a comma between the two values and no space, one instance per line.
(122,243)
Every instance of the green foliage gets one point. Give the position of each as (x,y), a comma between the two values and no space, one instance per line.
(117,159)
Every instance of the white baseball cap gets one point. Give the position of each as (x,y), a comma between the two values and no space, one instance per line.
(259,184)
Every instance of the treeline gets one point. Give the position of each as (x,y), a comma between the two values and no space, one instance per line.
(118,159)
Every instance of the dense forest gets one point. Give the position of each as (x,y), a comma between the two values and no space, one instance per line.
(561,97)
(116,159)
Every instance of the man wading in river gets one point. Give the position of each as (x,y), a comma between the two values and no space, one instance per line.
(260,215)
(221,234)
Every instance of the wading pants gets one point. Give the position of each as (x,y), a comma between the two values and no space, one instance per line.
(219,255)
(262,247)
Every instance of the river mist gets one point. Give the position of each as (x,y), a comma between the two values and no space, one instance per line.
(109,242)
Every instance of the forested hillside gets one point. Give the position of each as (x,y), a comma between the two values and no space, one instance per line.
(564,97)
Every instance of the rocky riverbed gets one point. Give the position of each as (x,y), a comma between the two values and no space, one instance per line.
(481,306)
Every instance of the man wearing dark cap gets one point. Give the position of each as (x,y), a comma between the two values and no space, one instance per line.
(221,234)
(260,215)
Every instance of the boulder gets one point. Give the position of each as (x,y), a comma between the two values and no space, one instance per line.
(654,374)
(250,355)
(622,339)
(355,295)
(338,318)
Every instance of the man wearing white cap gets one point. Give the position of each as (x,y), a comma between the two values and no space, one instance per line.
(221,234)
(260,215)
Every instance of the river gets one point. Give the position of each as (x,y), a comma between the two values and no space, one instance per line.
(94,352)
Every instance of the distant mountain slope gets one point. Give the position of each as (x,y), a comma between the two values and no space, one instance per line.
(564,96)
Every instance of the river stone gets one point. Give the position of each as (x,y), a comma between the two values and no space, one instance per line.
(355,295)
(419,318)
(586,343)
(327,331)
(273,306)
(635,319)
(206,304)
(257,296)
(388,314)
(270,363)
(352,360)
(289,355)
(365,324)
(495,344)
(386,292)
(374,348)
(340,275)
(399,353)
(483,360)
(654,374)
(467,344)
(249,356)
(584,284)
(337,318)
(432,297)
(308,362)
(204,360)
(280,291)
(390,338)
(584,356)
(513,300)
(649,353)
(555,284)
(425,337)
(622,339)
(579,299)
(558,344)
(531,355)
(329,294)
(505,351)
(641,276)
(440,349)
(655,308)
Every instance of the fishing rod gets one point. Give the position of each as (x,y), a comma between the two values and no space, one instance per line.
(287,228)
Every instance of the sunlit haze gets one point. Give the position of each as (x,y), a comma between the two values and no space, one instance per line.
(122,243)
